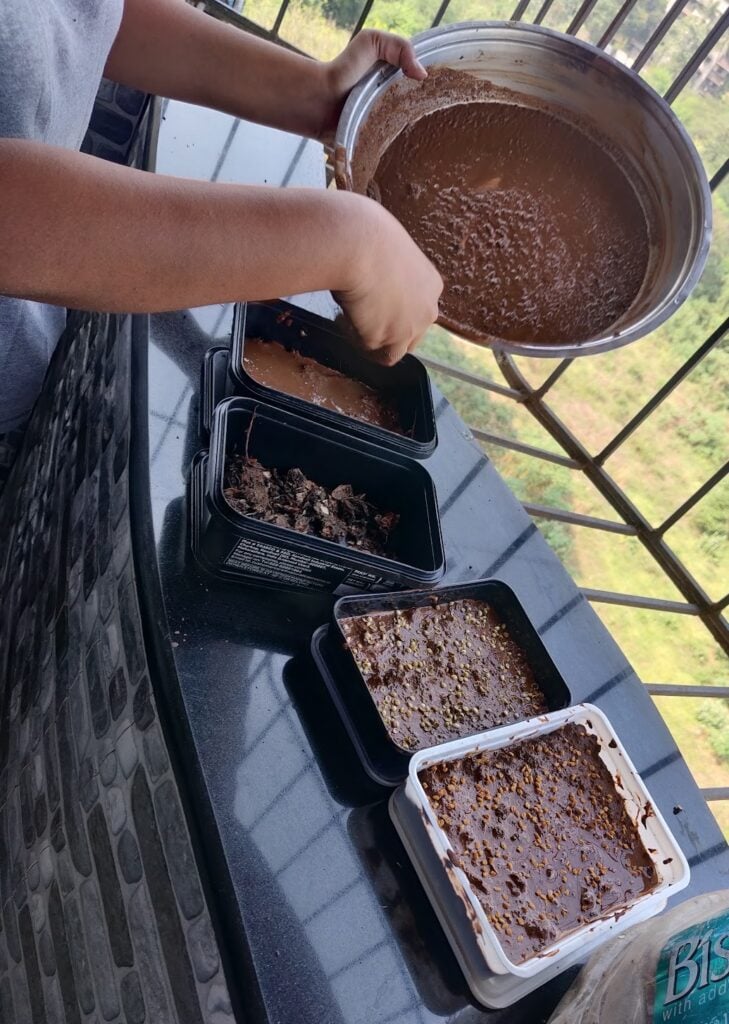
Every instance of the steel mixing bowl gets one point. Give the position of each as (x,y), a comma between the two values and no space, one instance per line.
(656,152)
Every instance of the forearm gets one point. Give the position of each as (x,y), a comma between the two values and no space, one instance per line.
(168,48)
(88,234)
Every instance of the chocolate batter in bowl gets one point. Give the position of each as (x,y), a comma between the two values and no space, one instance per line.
(557,194)
(535,228)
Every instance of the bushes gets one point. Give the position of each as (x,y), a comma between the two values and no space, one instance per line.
(537,482)
(714,716)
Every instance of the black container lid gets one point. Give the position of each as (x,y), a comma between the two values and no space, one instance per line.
(215,385)
(383,760)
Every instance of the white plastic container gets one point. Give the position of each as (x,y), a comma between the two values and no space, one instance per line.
(493,978)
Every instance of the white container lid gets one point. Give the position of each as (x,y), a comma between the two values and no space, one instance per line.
(474,940)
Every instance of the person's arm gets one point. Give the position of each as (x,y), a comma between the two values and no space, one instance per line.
(85,233)
(171,49)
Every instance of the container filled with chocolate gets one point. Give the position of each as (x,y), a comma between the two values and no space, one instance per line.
(303,363)
(408,671)
(558,195)
(287,503)
(535,843)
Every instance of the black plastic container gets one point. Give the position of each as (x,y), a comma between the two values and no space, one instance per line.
(406,385)
(215,385)
(240,547)
(384,760)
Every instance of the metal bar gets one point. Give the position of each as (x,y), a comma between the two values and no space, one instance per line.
(681,690)
(562,515)
(364,14)
(661,552)
(607,36)
(280,17)
(654,604)
(713,480)
(660,33)
(698,57)
(581,15)
(663,392)
(552,378)
(525,449)
(543,12)
(719,175)
(722,603)
(470,378)
(520,10)
(440,13)
(294,162)
(221,12)
(223,156)
(716,793)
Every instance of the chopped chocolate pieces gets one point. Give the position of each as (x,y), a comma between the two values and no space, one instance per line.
(285,497)
(565,851)
(441,672)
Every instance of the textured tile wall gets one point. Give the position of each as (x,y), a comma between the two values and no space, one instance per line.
(115,120)
(102,913)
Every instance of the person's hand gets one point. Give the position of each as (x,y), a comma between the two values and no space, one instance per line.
(392,290)
(342,74)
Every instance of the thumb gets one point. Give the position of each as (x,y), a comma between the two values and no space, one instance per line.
(371,45)
(400,53)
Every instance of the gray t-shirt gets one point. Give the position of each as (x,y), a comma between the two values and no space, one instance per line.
(52,57)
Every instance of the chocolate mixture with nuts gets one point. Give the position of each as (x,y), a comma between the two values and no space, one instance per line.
(529,215)
(443,671)
(285,497)
(542,835)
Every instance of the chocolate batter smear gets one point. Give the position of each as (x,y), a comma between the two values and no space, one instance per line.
(542,835)
(275,366)
(533,224)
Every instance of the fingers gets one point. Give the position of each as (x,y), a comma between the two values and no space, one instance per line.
(365,49)
(387,352)
(359,56)
(417,338)
(409,63)
(397,51)
(388,355)
(415,342)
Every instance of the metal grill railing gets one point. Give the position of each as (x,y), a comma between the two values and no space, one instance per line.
(574,454)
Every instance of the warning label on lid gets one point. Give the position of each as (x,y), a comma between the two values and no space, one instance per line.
(295,568)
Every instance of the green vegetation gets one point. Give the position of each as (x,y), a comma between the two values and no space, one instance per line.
(680,445)
(714,714)
(532,480)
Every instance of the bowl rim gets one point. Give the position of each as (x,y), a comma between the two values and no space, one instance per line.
(382,75)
